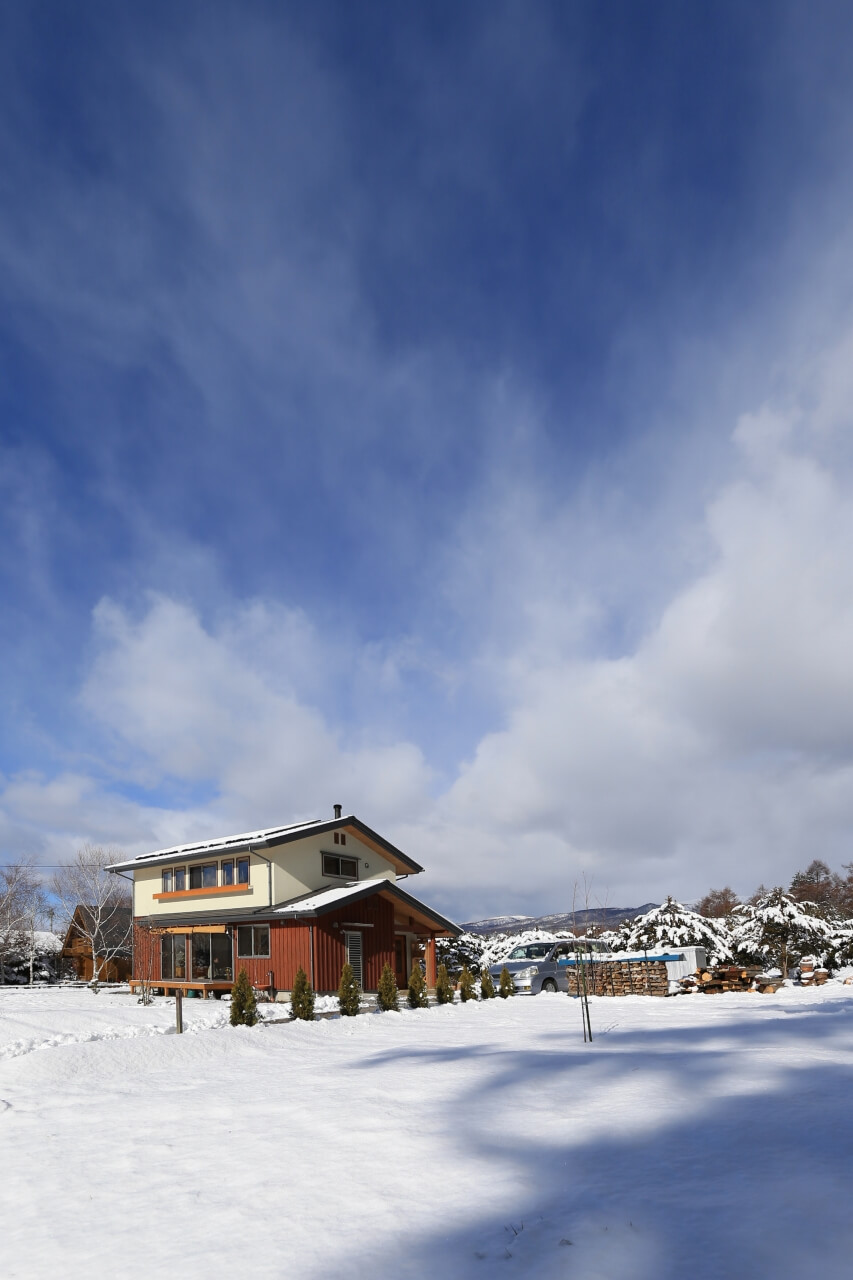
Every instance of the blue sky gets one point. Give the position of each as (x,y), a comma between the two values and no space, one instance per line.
(437,409)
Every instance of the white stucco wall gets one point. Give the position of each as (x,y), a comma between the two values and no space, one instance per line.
(297,868)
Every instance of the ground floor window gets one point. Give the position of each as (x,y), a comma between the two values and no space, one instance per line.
(253,940)
(211,957)
(173,955)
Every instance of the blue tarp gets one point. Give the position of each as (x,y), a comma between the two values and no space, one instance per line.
(667,957)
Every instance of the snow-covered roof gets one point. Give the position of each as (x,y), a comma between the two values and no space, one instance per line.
(322,900)
(267,835)
(325,898)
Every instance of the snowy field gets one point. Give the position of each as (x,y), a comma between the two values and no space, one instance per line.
(700,1137)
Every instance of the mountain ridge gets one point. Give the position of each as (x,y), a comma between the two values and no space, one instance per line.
(608,916)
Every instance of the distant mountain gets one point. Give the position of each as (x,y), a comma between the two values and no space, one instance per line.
(610,917)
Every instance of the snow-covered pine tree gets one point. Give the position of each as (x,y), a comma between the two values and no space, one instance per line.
(443,986)
(457,952)
(779,929)
(417,994)
(302,997)
(348,993)
(244,1006)
(839,946)
(387,991)
(506,987)
(467,989)
(674,925)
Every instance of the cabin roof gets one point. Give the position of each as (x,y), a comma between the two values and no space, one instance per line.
(113,932)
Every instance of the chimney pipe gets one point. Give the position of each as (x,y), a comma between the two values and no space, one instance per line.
(337,808)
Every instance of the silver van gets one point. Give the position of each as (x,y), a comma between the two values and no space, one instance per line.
(534,968)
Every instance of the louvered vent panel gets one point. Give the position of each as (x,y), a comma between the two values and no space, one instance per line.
(354,957)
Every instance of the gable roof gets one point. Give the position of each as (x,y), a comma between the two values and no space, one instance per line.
(321,901)
(114,934)
(270,838)
(318,902)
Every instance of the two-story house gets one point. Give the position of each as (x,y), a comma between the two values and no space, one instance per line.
(314,895)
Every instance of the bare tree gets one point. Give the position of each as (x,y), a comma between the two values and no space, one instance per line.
(148,940)
(20,901)
(717,903)
(97,902)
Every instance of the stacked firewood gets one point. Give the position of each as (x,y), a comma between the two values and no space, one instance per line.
(810,974)
(620,978)
(729,977)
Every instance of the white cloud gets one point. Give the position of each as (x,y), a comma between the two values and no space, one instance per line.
(220,708)
(715,744)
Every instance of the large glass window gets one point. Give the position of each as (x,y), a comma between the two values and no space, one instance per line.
(253,940)
(173,955)
(180,879)
(242,870)
(167,881)
(211,957)
(228,871)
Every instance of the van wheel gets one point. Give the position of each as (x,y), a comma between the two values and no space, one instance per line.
(549,985)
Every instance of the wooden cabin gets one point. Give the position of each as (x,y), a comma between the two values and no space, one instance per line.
(113,942)
(314,895)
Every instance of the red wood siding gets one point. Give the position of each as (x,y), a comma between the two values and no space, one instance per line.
(290,948)
(146,946)
(288,952)
(378,942)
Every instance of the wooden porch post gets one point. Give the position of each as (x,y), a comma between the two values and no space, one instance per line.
(430,961)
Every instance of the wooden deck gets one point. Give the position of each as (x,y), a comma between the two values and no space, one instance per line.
(169,986)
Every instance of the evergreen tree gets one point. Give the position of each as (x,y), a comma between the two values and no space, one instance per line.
(302,997)
(819,886)
(417,997)
(387,990)
(487,986)
(781,929)
(348,992)
(443,986)
(673,925)
(244,1006)
(467,990)
(507,986)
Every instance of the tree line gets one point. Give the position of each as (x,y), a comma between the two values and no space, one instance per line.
(28,901)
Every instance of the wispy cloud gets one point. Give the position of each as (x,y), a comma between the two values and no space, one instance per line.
(451,421)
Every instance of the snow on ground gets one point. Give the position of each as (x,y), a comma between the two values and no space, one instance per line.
(704,1136)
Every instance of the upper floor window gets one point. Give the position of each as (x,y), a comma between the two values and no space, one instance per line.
(204,877)
(209,875)
(335,865)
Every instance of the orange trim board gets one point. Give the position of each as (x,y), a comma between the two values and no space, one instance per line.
(203,893)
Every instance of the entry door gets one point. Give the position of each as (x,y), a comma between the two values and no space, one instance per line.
(354,956)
